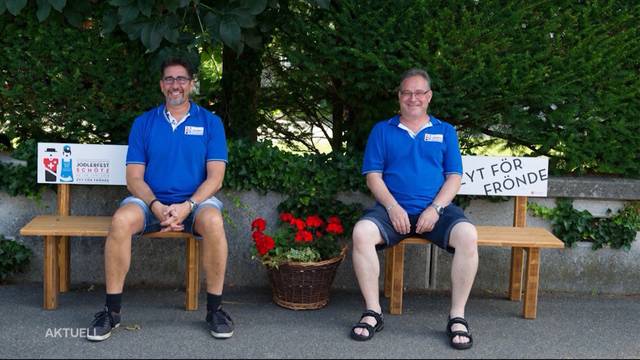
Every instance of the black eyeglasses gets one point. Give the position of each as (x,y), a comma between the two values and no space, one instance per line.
(419,94)
(182,80)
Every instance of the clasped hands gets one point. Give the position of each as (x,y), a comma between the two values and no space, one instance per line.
(400,220)
(172,216)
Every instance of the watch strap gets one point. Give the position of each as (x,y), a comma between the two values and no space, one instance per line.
(439,208)
(193,204)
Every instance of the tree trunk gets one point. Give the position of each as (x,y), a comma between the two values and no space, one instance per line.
(240,87)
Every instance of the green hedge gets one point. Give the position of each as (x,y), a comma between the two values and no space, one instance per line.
(555,78)
(59,83)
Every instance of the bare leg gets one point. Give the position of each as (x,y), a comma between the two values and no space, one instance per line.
(464,239)
(126,221)
(367,268)
(210,225)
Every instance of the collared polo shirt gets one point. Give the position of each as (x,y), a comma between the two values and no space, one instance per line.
(413,168)
(176,160)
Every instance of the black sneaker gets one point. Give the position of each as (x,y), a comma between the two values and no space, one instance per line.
(220,324)
(102,324)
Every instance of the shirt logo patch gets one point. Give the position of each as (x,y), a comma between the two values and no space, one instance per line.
(194,130)
(434,137)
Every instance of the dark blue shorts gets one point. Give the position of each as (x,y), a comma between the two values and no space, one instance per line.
(439,235)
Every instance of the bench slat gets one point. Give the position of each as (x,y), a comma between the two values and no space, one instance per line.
(90,226)
(509,237)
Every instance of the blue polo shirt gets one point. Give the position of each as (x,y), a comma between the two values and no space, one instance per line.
(176,160)
(413,169)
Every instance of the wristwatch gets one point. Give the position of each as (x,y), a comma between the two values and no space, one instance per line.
(439,208)
(193,204)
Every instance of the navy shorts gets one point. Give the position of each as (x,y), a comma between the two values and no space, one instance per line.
(439,235)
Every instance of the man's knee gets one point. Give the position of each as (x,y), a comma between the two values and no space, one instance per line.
(464,237)
(209,221)
(128,219)
(366,234)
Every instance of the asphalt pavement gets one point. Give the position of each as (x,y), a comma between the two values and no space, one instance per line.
(155,325)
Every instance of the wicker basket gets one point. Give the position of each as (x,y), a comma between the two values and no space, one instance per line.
(304,285)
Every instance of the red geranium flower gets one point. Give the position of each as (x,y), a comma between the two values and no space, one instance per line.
(298,223)
(307,238)
(264,244)
(257,235)
(314,221)
(286,217)
(334,220)
(259,224)
(334,228)
(304,236)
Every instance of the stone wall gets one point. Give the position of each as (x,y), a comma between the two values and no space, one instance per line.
(160,262)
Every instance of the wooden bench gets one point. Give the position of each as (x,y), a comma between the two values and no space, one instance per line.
(519,238)
(57,229)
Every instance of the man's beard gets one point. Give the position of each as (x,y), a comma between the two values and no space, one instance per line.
(173,101)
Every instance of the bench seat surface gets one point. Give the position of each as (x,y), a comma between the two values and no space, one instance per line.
(98,226)
(506,236)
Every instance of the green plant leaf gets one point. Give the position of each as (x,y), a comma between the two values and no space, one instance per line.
(230,33)
(157,33)
(212,23)
(133,29)
(44,9)
(246,20)
(253,7)
(128,13)
(145,7)
(145,34)
(15,6)
(109,21)
(3,7)
(58,4)
(172,35)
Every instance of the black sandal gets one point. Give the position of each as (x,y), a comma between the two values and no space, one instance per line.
(371,329)
(452,334)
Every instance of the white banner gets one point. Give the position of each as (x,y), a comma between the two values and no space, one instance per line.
(508,176)
(60,163)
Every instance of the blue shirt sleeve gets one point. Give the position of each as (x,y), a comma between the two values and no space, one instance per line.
(135,151)
(217,142)
(374,151)
(452,158)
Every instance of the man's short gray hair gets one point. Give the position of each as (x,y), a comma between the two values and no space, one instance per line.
(415,72)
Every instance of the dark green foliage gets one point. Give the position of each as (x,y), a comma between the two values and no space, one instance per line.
(21,180)
(67,84)
(311,182)
(14,257)
(551,78)
(559,78)
(338,70)
(571,225)
(152,22)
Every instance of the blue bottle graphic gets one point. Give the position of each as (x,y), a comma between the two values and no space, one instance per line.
(66,172)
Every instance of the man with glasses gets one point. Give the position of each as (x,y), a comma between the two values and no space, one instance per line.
(175,165)
(413,168)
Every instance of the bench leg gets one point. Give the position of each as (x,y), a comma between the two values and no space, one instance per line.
(515,276)
(192,274)
(397,279)
(532,283)
(50,281)
(388,273)
(64,264)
